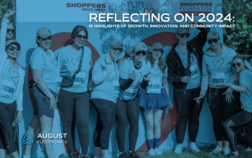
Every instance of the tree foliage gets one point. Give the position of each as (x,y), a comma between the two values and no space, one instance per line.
(4,6)
(240,37)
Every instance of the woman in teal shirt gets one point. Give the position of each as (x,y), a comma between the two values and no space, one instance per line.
(105,76)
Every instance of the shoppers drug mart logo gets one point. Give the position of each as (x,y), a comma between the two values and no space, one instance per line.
(87,6)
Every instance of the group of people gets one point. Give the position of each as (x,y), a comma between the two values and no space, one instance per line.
(116,88)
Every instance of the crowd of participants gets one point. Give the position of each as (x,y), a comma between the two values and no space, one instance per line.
(116,88)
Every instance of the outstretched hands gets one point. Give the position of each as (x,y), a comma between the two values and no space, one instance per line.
(147,77)
(9,13)
(133,76)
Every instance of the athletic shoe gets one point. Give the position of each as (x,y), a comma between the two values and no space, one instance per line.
(194,147)
(124,155)
(84,156)
(226,151)
(133,154)
(179,148)
(65,155)
(158,152)
(217,150)
(233,155)
(248,149)
(151,152)
(73,155)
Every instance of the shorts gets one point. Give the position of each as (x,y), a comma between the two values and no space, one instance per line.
(42,103)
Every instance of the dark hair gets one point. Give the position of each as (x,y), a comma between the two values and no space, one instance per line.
(37,41)
(78,29)
(161,62)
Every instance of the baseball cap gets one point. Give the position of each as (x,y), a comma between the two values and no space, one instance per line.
(44,32)
(140,46)
(12,41)
(213,34)
(117,44)
(182,30)
(157,45)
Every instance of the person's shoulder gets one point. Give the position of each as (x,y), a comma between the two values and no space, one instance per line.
(22,68)
(172,52)
(100,59)
(87,49)
(127,61)
(63,49)
(230,51)
(37,52)
(147,63)
(246,72)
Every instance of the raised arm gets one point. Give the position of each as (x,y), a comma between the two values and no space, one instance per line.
(200,40)
(5,20)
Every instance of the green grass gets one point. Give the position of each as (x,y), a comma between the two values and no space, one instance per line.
(203,154)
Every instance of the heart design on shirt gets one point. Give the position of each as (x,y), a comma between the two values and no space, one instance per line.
(218,63)
(74,61)
(13,73)
(185,60)
(137,75)
(158,72)
(54,62)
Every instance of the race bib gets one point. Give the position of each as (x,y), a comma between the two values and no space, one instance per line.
(194,71)
(79,79)
(7,89)
(59,79)
(116,86)
(218,78)
(154,87)
(129,93)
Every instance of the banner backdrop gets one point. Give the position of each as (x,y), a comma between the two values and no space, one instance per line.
(61,16)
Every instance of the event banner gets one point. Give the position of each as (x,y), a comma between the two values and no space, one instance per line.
(130,21)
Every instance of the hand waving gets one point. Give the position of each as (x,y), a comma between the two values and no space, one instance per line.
(9,13)
(133,76)
(147,77)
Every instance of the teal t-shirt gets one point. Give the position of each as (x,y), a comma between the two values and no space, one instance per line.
(219,67)
(156,79)
(194,68)
(108,89)
(40,60)
(126,69)
(9,82)
(246,98)
(69,63)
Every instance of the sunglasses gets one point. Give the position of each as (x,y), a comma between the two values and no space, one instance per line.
(213,40)
(184,34)
(10,30)
(234,64)
(12,48)
(118,49)
(80,37)
(141,52)
(45,39)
